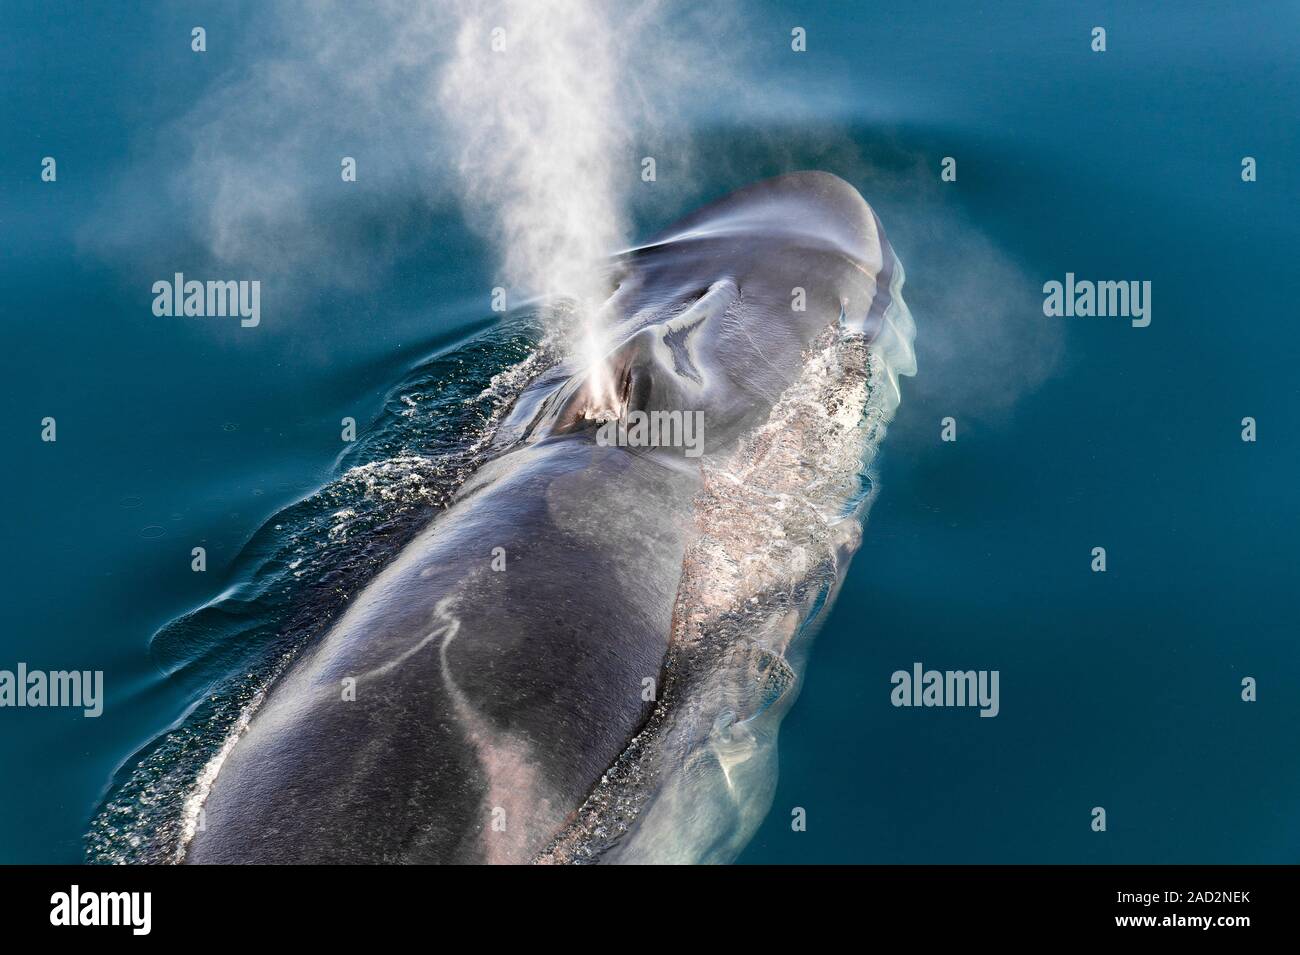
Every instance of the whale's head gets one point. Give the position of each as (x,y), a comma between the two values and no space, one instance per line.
(714,316)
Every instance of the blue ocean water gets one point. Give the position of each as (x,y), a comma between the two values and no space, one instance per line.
(1119,690)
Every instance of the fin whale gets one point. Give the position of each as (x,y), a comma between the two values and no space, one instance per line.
(613,693)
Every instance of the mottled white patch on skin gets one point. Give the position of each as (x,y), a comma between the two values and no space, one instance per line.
(514,782)
(777,521)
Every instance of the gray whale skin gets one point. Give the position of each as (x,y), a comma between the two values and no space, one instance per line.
(581,705)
